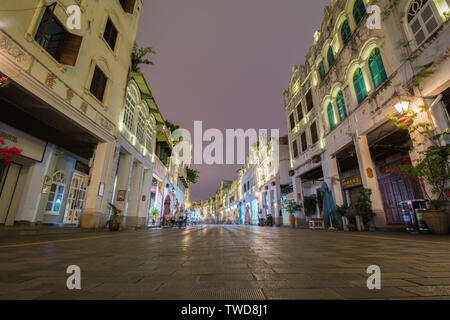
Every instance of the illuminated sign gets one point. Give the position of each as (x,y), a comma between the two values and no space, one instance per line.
(351,182)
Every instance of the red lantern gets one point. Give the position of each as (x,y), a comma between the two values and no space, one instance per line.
(407,161)
(405,121)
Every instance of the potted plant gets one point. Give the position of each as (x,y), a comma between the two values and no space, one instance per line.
(310,204)
(114,223)
(152,213)
(363,208)
(341,211)
(431,166)
(291,207)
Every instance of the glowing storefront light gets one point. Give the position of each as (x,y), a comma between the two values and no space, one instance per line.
(402,106)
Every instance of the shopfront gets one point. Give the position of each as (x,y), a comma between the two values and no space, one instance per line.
(13,178)
(389,157)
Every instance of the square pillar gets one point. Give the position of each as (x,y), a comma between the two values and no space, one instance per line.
(146,193)
(299,196)
(96,211)
(332,178)
(123,181)
(31,196)
(134,199)
(369,180)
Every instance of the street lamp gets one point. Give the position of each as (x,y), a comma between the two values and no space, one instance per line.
(402,106)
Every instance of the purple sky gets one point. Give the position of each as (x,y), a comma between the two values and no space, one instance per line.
(225,62)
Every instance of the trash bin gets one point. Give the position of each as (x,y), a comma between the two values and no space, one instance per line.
(412,215)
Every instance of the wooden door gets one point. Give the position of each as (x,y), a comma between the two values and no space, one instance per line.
(394,189)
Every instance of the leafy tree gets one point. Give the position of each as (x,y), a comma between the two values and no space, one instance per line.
(138,57)
(192,176)
(172,127)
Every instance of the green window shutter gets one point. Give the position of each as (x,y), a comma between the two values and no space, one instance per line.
(321,70)
(346,33)
(330,57)
(359,10)
(331,116)
(376,67)
(360,85)
(341,106)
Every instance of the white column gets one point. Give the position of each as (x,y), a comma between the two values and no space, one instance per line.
(123,181)
(331,176)
(96,210)
(365,165)
(31,197)
(134,199)
(146,193)
(277,218)
(299,196)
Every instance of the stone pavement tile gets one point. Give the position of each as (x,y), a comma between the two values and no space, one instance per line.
(429,291)
(311,284)
(210,284)
(63,295)
(423,298)
(398,275)
(227,277)
(440,274)
(140,295)
(111,286)
(385,283)
(301,294)
(45,283)
(228,294)
(431,281)
(23,295)
(336,276)
(269,284)
(280,276)
(364,293)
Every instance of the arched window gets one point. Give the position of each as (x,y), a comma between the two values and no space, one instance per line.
(321,70)
(331,116)
(128,114)
(140,128)
(422,20)
(330,57)
(359,10)
(346,33)
(376,67)
(57,190)
(360,85)
(341,106)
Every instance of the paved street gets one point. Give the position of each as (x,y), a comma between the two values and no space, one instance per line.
(225,262)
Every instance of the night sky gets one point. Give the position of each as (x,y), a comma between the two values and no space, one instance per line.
(226,63)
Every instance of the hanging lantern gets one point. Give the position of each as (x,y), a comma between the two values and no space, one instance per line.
(407,161)
(405,122)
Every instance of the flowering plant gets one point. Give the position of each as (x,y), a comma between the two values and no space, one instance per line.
(4,82)
(6,154)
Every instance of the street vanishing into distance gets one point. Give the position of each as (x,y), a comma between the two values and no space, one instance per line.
(225,262)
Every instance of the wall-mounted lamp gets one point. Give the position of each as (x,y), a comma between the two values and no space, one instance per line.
(402,106)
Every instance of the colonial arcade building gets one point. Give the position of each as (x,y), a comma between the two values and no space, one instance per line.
(61,108)
(338,101)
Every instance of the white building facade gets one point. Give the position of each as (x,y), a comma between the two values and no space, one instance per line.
(62,106)
(354,76)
